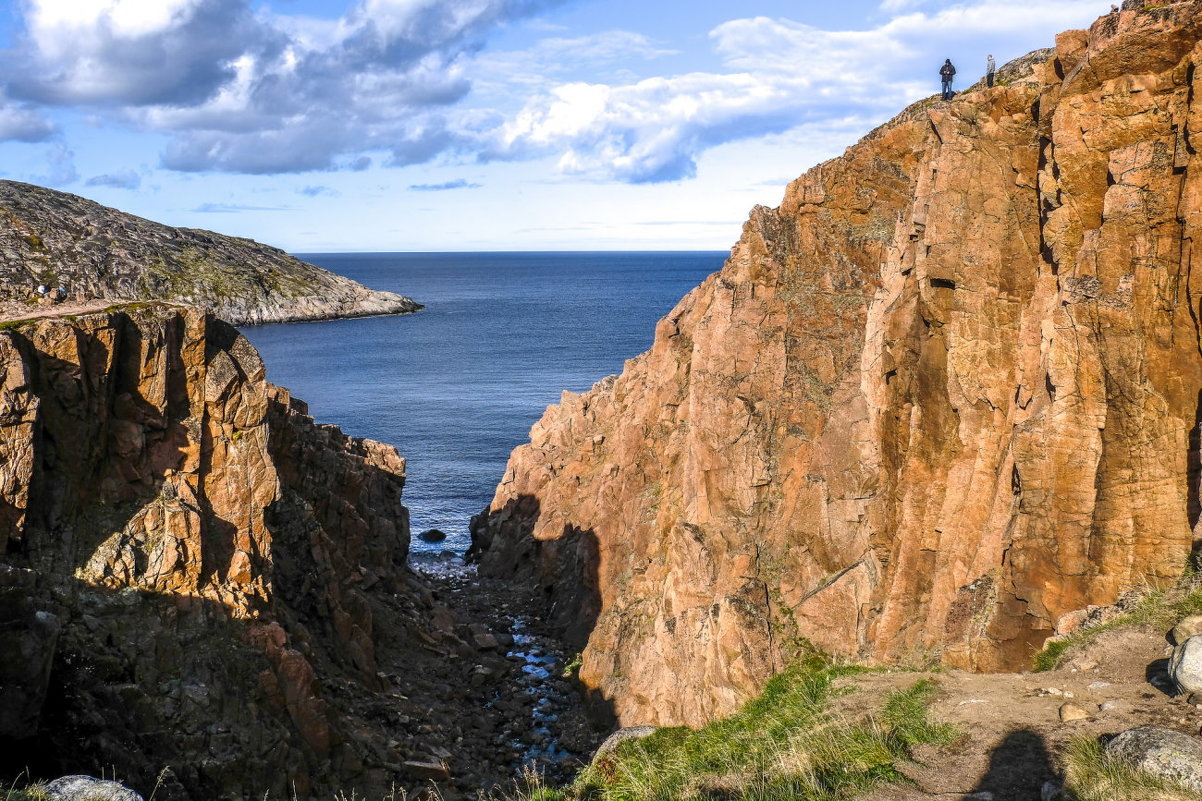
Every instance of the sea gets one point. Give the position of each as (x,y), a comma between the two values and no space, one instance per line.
(457,386)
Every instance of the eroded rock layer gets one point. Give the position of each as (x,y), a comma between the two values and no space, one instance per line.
(191,565)
(943,395)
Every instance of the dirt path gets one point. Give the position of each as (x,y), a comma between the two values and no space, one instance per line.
(10,312)
(1014,739)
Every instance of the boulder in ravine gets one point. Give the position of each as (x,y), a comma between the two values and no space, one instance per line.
(432,535)
(943,395)
(1186,628)
(99,254)
(620,736)
(1161,752)
(86,788)
(1185,666)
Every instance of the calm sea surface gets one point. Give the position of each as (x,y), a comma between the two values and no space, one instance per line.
(457,386)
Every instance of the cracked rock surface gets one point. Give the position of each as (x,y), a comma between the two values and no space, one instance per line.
(945,394)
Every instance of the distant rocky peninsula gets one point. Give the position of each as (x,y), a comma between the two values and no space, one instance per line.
(52,239)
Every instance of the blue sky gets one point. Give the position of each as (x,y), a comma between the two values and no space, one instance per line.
(472,124)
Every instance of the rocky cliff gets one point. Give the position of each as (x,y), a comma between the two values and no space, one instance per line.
(194,573)
(97,253)
(943,396)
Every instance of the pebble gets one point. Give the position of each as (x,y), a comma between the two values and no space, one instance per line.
(1071,712)
(1098,685)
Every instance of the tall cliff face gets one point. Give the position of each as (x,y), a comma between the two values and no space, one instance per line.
(946,393)
(191,565)
(101,254)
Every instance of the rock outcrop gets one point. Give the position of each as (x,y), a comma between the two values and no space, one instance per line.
(946,393)
(53,238)
(193,571)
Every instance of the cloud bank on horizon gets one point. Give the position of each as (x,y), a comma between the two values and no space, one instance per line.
(237,88)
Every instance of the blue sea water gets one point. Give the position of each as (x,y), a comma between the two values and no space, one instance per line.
(456,386)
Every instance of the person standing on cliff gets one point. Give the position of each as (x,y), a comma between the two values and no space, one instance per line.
(946,73)
(990,69)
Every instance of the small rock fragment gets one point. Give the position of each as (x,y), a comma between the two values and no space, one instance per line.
(85,788)
(1188,627)
(434,771)
(1071,712)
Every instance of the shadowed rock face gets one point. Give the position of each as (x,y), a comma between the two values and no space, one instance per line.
(97,253)
(944,394)
(187,560)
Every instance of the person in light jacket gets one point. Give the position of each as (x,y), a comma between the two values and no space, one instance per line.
(990,69)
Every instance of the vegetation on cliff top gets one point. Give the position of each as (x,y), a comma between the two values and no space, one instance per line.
(784,744)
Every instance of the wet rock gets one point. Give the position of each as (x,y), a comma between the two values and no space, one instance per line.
(1162,752)
(432,535)
(86,788)
(482,638)
(1185,666)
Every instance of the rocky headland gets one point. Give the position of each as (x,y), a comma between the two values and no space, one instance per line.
(98,254)
(943,397)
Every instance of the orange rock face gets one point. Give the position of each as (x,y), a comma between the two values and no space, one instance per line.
(946,393)
(203,546)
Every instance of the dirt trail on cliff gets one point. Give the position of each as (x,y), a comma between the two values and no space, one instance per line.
(1014,740)
(12,311)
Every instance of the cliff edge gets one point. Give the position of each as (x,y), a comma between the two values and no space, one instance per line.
(945,395)
(100,254)
(195,575)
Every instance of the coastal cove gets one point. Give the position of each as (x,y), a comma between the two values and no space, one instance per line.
(457,386)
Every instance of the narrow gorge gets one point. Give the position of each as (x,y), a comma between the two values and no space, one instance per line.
(198,577)
(942,398)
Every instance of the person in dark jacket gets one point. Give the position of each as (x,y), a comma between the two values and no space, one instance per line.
(946,73)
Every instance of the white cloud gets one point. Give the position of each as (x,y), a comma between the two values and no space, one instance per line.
(256,92)
(242,89)
(22,124)
(780,74)
(126,179)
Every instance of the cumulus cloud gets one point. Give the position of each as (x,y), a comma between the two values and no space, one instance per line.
(21,124)
(779,75)
(238,87)
(242,89)
(458,183)
(127,179)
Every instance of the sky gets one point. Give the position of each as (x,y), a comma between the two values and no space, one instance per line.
(467,125)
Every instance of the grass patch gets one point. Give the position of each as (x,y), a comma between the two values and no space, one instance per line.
(1091,775)
(1156,609)
(785,744)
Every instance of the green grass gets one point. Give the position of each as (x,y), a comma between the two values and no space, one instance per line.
(785,744)
(1090,775)
(1156,609)
(33,792)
